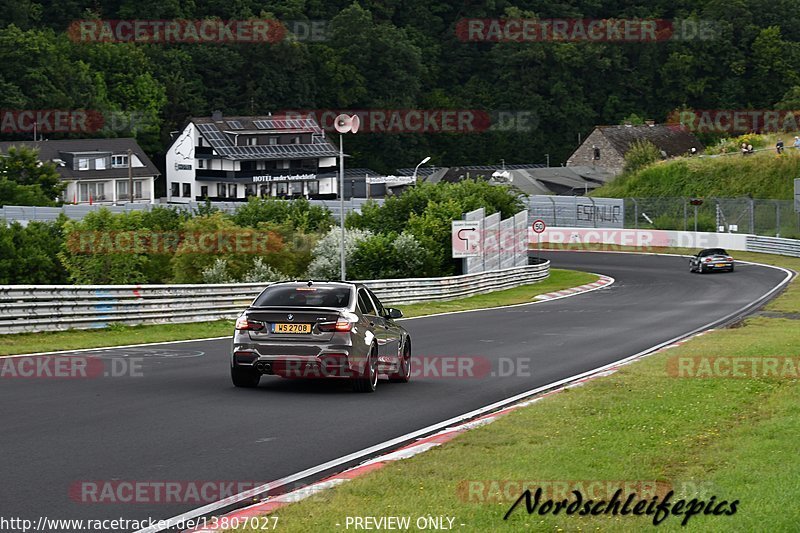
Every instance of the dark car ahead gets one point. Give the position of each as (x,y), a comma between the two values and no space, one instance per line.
(710,260)
(320,330)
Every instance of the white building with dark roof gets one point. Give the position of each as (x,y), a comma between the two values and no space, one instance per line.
(231,158)
(96,170)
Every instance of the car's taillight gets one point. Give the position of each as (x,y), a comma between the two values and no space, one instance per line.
(708,259)
(343,323)
(339,325)
(729,259)
(243,324)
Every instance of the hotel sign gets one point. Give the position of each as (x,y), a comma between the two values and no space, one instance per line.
(284,177)
(391,180)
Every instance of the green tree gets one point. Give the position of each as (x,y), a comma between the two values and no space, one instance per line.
(28,254)
(24,177)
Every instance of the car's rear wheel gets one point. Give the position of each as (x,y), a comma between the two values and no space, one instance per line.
(403,374)
(245,377)
(368,380)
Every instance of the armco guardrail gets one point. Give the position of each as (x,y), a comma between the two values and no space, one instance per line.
(33,308)
(773,245)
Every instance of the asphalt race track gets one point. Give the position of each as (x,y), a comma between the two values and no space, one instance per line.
(182,420)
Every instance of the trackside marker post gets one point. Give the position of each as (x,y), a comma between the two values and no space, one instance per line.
(538,227)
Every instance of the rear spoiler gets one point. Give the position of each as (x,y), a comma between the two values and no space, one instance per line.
(295,309)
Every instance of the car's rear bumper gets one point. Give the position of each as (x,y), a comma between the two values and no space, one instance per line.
(328,363)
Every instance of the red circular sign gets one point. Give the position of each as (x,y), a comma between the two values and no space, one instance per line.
(539,226)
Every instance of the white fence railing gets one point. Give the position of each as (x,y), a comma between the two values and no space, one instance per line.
(25,214)
(33,308)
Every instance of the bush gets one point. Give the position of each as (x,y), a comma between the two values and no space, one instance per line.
(95,253)
(29,254)
(326,262)
(217,272)
(259,272)
(640,155)
(299,214)
(387,256)
(262,272)
(191,259)
(92,254)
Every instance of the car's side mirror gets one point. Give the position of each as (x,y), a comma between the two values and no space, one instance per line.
(393,313)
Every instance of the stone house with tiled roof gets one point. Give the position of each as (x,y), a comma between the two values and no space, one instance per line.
(606,146)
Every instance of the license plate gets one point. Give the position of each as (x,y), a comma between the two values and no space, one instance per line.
(722,265)
(291,328)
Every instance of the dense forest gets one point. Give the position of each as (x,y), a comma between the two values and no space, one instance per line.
(394,54)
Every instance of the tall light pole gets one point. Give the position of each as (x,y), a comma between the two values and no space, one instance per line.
(418,165)
(344,124)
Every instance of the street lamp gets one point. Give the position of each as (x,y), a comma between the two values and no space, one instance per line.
(344,124)
(418,165)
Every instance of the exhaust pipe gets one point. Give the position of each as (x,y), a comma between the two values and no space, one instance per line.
(263,367)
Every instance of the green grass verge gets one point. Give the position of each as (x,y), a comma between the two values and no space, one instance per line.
(120,335)
(761,175)
(724,437)
(559,279)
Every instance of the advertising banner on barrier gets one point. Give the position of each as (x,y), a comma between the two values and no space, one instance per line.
(642,239)
(578,211)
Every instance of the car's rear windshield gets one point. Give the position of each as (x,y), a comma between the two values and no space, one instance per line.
(714,251)
(304,296)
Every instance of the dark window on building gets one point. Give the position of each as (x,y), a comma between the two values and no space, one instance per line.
(596,151)
(175,189)
(187,190)
(270,165)
(221,190)
(201,163)
(204,191)
(232,190)
(312,187)
(296,163)
(281,188)
(265,190)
